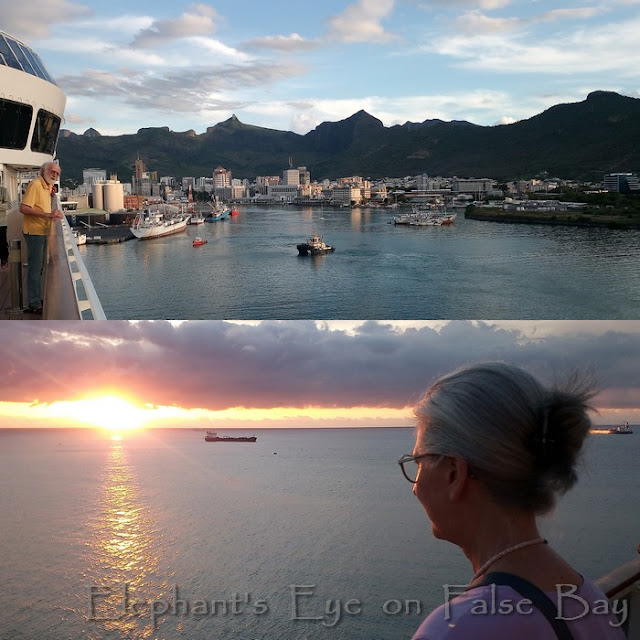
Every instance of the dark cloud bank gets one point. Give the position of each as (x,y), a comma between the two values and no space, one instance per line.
(218,364)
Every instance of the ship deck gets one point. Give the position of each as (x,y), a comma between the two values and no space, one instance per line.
(67,289)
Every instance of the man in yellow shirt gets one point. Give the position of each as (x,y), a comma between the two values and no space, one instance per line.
(37,211)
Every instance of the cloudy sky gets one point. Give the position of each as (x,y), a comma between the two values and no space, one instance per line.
(292,65)
(295,373)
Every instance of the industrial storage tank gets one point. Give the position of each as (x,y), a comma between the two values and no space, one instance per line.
(98,202)
(113,196)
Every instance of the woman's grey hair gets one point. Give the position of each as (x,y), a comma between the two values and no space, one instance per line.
(520,438)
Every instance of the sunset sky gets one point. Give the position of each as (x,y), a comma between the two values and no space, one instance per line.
(290,66)
(285,374)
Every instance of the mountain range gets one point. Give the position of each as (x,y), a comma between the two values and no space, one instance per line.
(582,141)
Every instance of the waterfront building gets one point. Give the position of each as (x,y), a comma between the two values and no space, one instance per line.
(347,195)
(282,192)
(262,184)
(291,177)
(472,185)
(621,182)
(305,176)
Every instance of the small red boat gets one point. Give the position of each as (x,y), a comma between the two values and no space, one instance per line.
(234,212)
(199,241)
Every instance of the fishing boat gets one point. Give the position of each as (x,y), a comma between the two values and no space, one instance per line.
(214,217)
(426,216)
(314,246)
(196,218)
(156,224)
(198,241)
(220,211)
(212,436)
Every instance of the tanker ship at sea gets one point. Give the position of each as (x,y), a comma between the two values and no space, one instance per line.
(212,436)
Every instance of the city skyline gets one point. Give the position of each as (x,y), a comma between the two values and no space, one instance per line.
(123,375)
(192,65)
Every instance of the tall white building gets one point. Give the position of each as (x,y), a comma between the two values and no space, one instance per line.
(221,178)
(291,177)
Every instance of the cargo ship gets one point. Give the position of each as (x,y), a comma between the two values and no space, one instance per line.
(212,436)
(620,430)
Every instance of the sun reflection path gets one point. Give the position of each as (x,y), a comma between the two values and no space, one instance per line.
(124,551)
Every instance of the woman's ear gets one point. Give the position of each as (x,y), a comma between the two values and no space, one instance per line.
(458,475)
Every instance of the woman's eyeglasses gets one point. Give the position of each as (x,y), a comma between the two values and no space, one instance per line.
(409,465)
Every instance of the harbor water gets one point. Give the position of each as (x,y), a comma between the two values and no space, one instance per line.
(249,269)
(137,538)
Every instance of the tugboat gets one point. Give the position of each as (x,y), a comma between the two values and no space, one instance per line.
(314,246)
(212,436)
(198,241)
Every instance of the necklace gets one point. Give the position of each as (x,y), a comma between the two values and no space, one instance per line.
(515,547)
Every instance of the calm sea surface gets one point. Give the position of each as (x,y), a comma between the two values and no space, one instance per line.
(322,512)
(250,270)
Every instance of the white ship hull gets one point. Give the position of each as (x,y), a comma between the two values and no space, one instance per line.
(145,230)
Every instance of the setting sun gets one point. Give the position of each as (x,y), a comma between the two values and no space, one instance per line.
(111,412)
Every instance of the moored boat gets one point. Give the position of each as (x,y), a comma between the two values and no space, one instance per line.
(422,216)
(221,215)
(314,246)
(80,238)
(196,218)
(155,224)
(212,436)
(220,211)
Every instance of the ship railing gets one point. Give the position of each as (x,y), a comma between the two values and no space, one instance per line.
(69,293)
(622,587)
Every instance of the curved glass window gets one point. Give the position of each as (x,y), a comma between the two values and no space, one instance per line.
(15,121)
(17,55)
(26,65)
(8,57)
(45,133)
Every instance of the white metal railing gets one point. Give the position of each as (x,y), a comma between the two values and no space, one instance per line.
(69,293)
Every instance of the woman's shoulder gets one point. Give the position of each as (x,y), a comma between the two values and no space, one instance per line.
(498,612)
(484,612)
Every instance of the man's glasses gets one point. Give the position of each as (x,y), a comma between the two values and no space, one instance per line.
(409,465)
